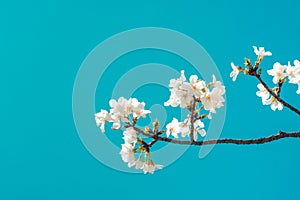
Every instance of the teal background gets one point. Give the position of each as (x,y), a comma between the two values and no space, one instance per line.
(43,44)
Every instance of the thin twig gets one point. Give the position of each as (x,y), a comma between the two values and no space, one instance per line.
(200,117)
(152,142)
(192,118)
(279,88)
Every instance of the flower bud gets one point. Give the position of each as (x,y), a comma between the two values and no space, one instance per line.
(248,63)
(281,80)
(259,72)
(246,71)
(147,129)
(155,125)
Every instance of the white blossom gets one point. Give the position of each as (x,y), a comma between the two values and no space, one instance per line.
(293,73)
(130,135)
(213,100)
(263,93)
(173,101)
(217,84)
(149,166)
(185,127)
(101,118)
(183,93)
(139,164)
(123,108)
(119,111)
(278,72)
(235,71)
(180,93)
(198,87)
(138,108)
(198,129)
(261,53)
(128,154)
(209,116)
(296,81)
(275,104)
(173,128)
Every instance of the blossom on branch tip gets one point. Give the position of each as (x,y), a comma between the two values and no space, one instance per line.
(278,72)
(149,166)
(101,118)
(261,53)
(139,164)
(235,71)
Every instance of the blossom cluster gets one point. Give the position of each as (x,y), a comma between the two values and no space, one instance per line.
(124,111)
(195,95)
(185,93)
(120,111)
(279,72)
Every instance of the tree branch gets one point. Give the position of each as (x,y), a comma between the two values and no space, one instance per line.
(275,96)
(192,119)
(280,135)
(262,140)
(280,83)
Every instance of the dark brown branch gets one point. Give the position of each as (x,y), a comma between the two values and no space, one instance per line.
(200,117)
(152,142)
(192,118)
(275,96)
(280,83)
(262,140)
(235,141)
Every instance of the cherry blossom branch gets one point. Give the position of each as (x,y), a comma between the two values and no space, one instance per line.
(277,97)
(153,142)
(280,74)
(192,94)
(280,135)
(262,140)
